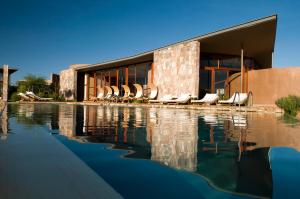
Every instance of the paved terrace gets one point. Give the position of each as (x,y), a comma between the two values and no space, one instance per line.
(33,164)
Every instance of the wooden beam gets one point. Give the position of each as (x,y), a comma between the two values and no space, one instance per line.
(221,68)
(117,77)
(126,76)
(213,79)
(95,84)
(152,73)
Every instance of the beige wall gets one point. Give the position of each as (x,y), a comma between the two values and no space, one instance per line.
(268,85)
(176,69)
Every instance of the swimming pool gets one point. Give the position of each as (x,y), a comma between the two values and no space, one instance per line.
(173,153)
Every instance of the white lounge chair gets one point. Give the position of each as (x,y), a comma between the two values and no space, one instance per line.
(116,95)
(126,96)
(37,98)
(100,95)
(236,98)
(162,100)
(139,92)
(109,93)
(24,97)
(153,93)
(209,98)
(183,99)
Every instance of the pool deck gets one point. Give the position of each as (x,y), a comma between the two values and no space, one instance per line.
(268,109)
(36,165)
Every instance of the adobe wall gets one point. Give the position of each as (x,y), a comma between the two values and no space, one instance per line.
(267,85)
(176,69)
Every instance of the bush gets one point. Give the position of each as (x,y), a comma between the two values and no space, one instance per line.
(15,97)
(290,104)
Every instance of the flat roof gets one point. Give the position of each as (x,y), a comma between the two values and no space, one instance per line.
(10,70)
(257,37)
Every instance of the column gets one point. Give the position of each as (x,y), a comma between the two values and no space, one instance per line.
(5,83)
(86,87)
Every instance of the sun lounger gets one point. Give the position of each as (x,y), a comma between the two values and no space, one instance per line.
(126,96)
(37,98)
(209,98)
(109,93)
(183,99)
(116,94)
(24,97)
(239,120)
(153,93)
(162,100)
(236,98)
(139,92)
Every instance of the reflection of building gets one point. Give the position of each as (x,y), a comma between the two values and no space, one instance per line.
(174,138)
(4,122)
(67,120)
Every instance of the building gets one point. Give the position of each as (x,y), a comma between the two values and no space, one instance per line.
(238,58)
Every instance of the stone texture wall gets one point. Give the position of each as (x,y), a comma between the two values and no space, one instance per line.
(5,83)
(176,69)
(68,84)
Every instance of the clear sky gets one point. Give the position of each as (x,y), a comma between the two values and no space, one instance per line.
(45,36)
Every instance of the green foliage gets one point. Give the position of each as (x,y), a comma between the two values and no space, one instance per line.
(290,104)
(33,83)
(15,97)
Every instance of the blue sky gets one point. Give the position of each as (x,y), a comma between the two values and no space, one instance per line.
(42,37)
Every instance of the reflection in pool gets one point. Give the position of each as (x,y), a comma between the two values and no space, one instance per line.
(230,152)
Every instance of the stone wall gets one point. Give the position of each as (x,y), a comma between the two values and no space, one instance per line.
(176,69)
(5,83)
(68,84)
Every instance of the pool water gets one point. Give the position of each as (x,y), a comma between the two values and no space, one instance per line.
(175,153)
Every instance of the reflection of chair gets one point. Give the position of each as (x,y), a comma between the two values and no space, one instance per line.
(109,93)
(239,120)
(209,98)
(126,95)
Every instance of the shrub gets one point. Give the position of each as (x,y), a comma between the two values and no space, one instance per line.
(15,97)
(290,104)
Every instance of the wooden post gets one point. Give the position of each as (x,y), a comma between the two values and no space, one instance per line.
(126,76)
(95,84)
(213,79)
(152,73)
(242,69)
(117,77)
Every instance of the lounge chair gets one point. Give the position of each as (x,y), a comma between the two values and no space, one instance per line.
(109,93)
(24,97)
(139,92)
(209,98)
(100,95)
(162,100)
(37,98)
(236,98)
(183,99)
(126,96)
(153,93)
(239,120)
(116,95)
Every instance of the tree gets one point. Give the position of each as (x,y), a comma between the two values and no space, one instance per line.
(33,83)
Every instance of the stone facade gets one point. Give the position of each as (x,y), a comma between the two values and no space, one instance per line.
(176,69)
(5,83)
(68,82)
